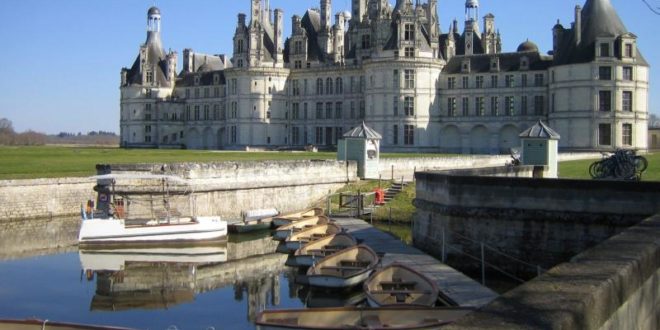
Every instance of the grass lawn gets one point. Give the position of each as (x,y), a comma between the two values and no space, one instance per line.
(56,161)
(579,169)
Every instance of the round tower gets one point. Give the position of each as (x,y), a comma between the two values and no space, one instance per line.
(153,19)
(471,10)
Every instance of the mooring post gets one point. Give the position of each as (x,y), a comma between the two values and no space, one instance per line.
(371,217)
(392,172)
(483,265)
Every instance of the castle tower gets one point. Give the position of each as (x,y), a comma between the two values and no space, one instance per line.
(279,37)
(359,9)
(490,37)
(326,10)
(472,14)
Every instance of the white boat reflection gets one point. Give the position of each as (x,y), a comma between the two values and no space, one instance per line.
(117,259)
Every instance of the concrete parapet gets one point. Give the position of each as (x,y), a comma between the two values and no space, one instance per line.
(615,285)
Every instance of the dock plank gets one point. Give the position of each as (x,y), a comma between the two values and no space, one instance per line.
(455,285)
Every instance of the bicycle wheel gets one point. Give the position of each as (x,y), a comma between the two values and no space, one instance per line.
(641,163)
(624,171)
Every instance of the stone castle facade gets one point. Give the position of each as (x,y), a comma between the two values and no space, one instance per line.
(393,68)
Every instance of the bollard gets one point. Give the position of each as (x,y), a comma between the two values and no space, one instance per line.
(392,172)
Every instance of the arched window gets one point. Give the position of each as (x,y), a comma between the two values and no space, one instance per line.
(319,86)
(339,88)
(328,86)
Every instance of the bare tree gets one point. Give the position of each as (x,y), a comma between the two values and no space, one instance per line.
(654,8)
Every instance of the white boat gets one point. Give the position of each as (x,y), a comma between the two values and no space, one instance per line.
(297,240)
(160,225)
(393,318)
(116,259)
(282,232)
(397,285)
(344,269)
(286,219)
(314,251)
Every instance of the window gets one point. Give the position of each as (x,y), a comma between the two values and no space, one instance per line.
(509,81)
(147,138)
(408,135)
(339,88)
(234,134)
(216,92)
(466,107)
(239,46)
(605,73)
(234,86)
(319,110)
(207,112)
(604,49)
(304,110)
(187,93)
(395,134)
(605,101)
(494,106)
(298,47)
(147,129)
(150,77)
(479,106)
(409,105)
(395,79)
(604,134)
(366,41)
(295,87)
(480,81)
(362,113)
(538,80)
(409,32)
(319,135)
(297,64)
(197,112)
(352,109)
(319,86)
(207,93)
(148,93)
(216,112)
(234,110)
(539,105)
(627,73)
(626,134)
(523,80)
(552,103)
(523,105)
(295,111)
(328,86)
(409,79)
(493,81)
(466,82)
(451,107)
(240,63)
(147,111)
(451,82)
(628,50)
(328,110)
(196,93)
(339,110)
(509,102)
(627,101)
(409,52)
(295,135)
(395,105)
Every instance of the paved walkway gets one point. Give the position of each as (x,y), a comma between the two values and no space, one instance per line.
(456,286)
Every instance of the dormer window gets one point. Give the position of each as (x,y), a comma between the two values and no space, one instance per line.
(604,49)
(216,79)
(196,80)
(409,32)
(495,64)
(628,50)
(465,67)
(239,46)
(524,63)
(149,77)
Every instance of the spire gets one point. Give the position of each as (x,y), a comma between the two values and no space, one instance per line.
(599,18)
(153,25)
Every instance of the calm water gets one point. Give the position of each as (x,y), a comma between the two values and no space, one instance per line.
(221,288)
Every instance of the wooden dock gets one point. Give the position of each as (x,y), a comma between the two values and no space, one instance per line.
(454,285)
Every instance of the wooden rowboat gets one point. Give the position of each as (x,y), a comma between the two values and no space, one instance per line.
(397,318)
(314,251)
(297,240)
(397,284)
(35,324)
(282,232)
(344,269)
(254,220)
(285,219)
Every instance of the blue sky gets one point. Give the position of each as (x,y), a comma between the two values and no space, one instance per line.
(61,59)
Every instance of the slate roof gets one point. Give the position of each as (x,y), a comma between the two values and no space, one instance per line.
(312,24)
(205,78)
(363,131)
(509,62)
(156,56)
(540,131)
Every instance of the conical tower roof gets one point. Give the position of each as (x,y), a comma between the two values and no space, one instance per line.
(540,131)
(599,18)
(364,132)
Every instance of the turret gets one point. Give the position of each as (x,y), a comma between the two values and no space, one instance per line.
(359,8)
(172,58)
(326,10)
(279,36)
(255,10)
(188,60)
(557,36)
(450,44)
(338,33)
(472,14)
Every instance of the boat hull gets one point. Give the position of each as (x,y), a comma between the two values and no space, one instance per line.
(329,281)
(246,228)
(111,232)
(400,285)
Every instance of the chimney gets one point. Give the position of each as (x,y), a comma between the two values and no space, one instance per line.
(279,28)
(188,60)
(578,25)
(241,20)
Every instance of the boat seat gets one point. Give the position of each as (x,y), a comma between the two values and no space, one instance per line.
(354,263)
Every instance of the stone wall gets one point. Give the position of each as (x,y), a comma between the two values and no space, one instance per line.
(615,285)
(43,198)
(542,222)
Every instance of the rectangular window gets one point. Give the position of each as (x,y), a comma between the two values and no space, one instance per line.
(539,105)
(363,109)
(319,110)
(319,135)
(216,92)
(366,41)
(197,117)
(295,88)
(234,135)
(352,109)
(409,79)
(605,73)
(479,82)
(234,86)
(451,107)
(451,82)
(395,105)
(466,107)
(207,112)
(207,93)
(305,111)
(538,80)
(605,101)
(480,106)
(295,135)
(408,135)
(629,50)
(509,81)
(338,110)
(409,105)
(605,49)
(523,80)
(328,110)
(409,32)
(409,52)
(627,101)
(523,105)
(395,134)
(295,111)
(395,78)
(494,106)
(604,134)
(626,134)
(627,73)
(196,93)
(509,103)
(493,81)
(234,110)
